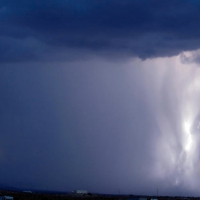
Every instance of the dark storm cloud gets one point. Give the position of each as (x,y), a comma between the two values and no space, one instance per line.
(132,28)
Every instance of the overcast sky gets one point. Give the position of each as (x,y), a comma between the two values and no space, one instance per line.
(101,95)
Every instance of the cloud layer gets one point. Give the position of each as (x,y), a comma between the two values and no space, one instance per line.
(145,29)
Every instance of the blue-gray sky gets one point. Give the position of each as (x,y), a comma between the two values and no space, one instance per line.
(100,95)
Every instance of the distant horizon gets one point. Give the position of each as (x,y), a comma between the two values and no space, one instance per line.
(23,190)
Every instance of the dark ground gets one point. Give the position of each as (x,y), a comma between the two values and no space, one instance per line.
(42,196)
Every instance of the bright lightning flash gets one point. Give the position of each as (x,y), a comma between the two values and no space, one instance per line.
(187,127)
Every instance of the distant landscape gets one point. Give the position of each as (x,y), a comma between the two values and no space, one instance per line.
(65,196)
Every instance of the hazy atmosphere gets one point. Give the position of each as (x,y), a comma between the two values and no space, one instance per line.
(101,95)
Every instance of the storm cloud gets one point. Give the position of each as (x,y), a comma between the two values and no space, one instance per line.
(145,29)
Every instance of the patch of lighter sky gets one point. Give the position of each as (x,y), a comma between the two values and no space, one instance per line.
(184,95)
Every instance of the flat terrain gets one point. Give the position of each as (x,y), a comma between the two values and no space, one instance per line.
(42,196)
